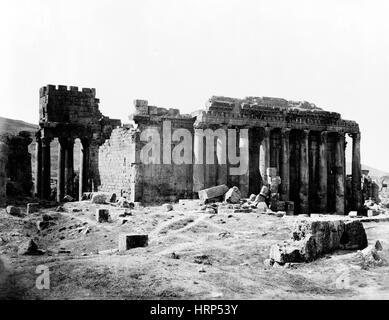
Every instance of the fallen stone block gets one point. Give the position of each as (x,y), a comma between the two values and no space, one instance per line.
(102,215)
(32,207)
(211,193)
(264,191)
(312,239)
(103,197)
(30,248)
(167,207)
(262,207)
(232,195)
(372,213)
(67,198)
(242,210)
(124,203)
(129,241)
(14,211)
(371,257)
(259,198)
(252,197)
(353,214)
(378,246)
(42,225)
(354,236)
(289,251)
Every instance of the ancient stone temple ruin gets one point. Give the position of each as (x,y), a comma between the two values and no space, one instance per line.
(68,114)
(304,143)
(15,165)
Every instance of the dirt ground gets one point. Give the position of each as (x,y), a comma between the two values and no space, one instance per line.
(191,255)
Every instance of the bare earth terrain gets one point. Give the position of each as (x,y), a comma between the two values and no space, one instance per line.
(191,255)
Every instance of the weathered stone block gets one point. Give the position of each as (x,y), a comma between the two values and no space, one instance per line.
(103,197)
(167,207)
(14,211)
(354,236)
(372,213)
(262,207)
(129,241)
(213,192)
(233,195)
(32,207)
(311,239)
(353,214)
(271,172)
(102,215)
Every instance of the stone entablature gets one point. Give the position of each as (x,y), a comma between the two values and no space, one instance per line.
(277,113)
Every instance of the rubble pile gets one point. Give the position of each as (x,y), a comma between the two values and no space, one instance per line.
(230,199)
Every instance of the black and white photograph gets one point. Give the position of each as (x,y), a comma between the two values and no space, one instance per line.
(175,150)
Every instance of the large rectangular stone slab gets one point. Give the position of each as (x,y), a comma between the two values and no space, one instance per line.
(130,241)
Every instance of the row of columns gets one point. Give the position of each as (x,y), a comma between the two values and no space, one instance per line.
(65,173)
(304,166)
(201,171)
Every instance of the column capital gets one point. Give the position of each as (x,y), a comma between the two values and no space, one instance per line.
(305,133)
(85,142)
(267,131)
(355,136)
(285,132)
(46,140)
(324,136)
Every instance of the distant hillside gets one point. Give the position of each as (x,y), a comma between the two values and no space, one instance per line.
(12,126)
(373,172)
(15,126)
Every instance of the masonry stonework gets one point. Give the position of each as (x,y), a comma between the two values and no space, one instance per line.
(305,144)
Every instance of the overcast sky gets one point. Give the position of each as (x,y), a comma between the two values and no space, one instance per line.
(179,53)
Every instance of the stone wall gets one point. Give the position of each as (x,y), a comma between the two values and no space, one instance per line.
(116,163)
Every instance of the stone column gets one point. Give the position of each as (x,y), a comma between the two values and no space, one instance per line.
(198,162)
(61,169)
(304,172)
(323,172)
(339,182)
(69,169)
(285,165)
(356,172)
(84,167)
(265,154)
(46,168)
(38,168)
